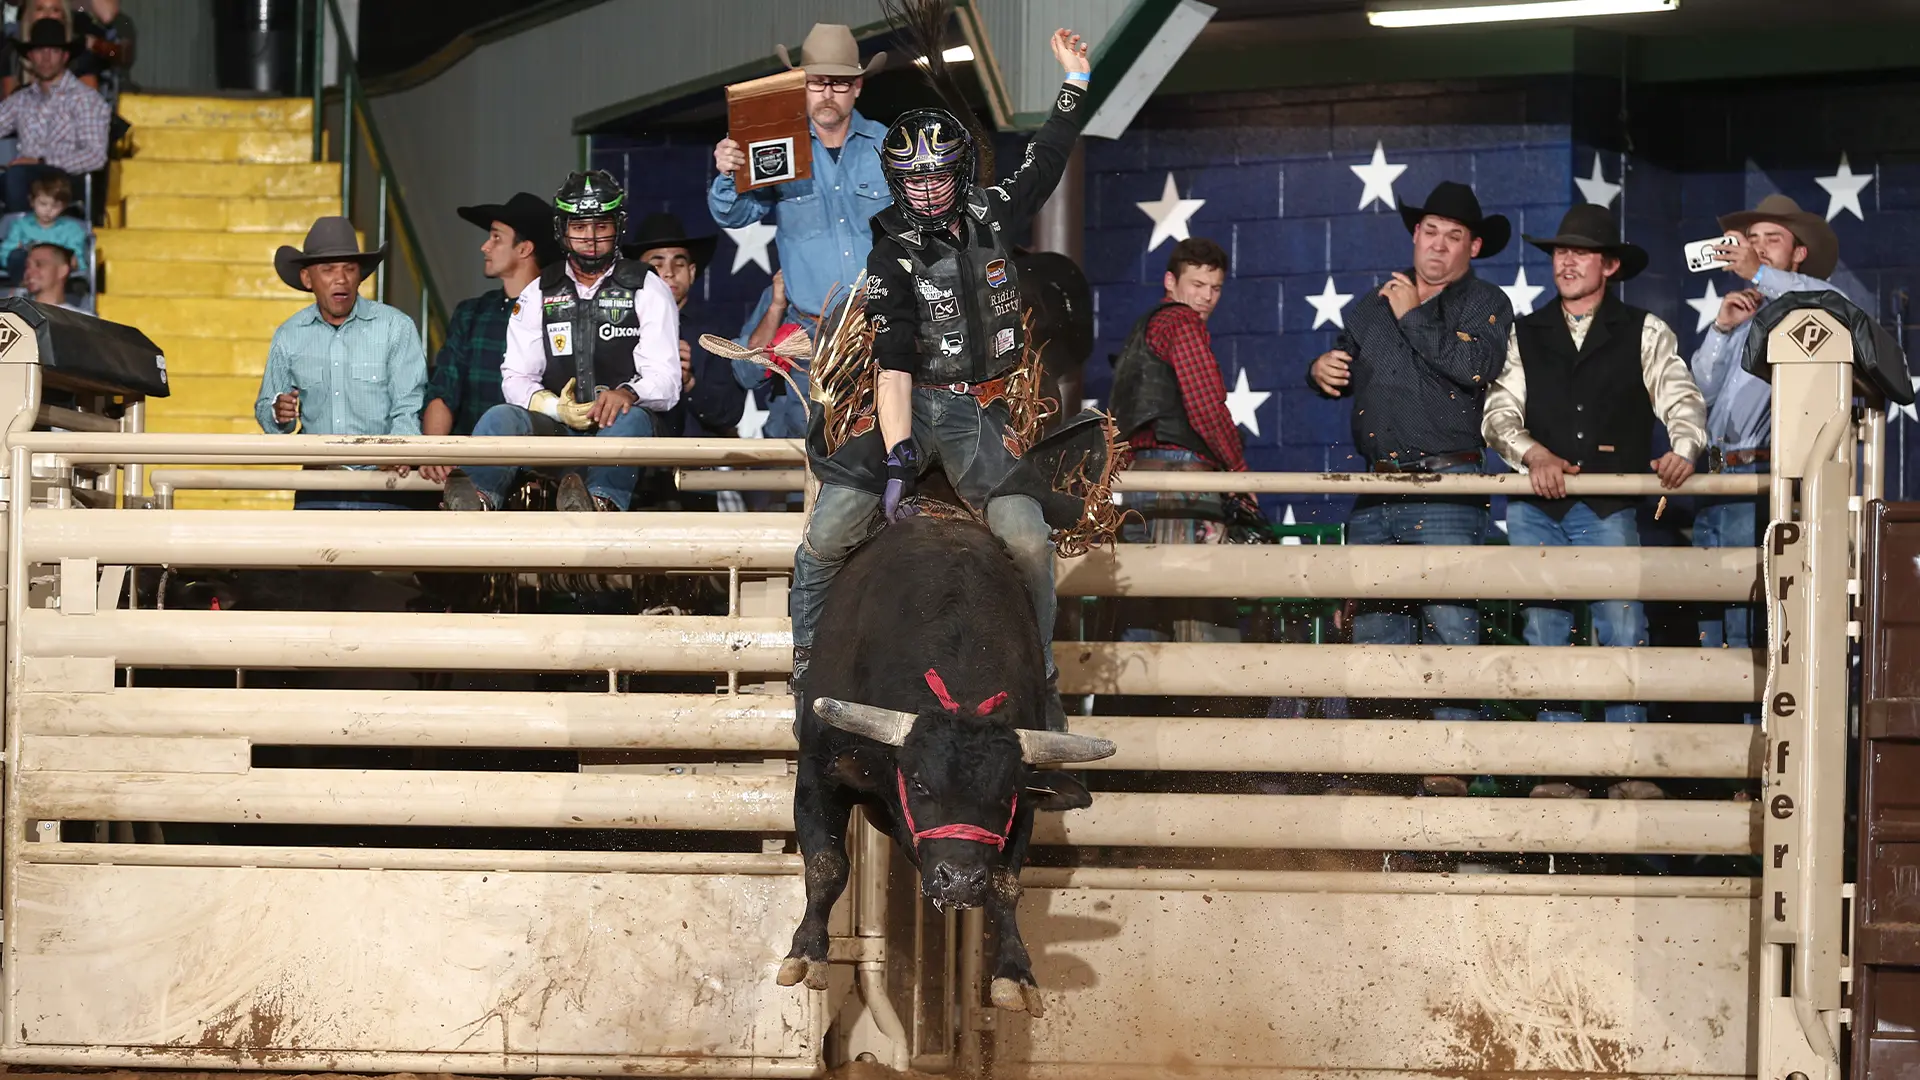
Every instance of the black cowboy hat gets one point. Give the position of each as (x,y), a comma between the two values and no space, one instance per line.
(1456,202)
(46,34)
(531,218)
(332,239)
(1590,227)
(666,231)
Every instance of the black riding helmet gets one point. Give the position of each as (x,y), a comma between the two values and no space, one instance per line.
(929,143)
(588,196)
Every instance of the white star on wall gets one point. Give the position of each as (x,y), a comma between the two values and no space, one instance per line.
(1522,294)
(1843,190)
(1377,177)
(753,421)
(1288,519)
(1707,307)
(1244,403)
(751,245)
(1169,213)
(1907,412)
(1326,306)
(1595,189)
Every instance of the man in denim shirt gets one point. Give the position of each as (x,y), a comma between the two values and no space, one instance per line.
(1777,248)
(823,236)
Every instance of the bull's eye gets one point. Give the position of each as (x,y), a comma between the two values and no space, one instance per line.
(918,787)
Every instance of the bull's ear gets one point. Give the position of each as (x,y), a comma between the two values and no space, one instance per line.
(887,726)
(1059,747)
(1054,791)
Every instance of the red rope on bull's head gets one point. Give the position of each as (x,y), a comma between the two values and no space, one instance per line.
(975,833)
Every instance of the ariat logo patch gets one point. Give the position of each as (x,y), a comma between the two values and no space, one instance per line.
(560,339)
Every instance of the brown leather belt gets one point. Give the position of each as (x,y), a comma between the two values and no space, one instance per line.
(1719,460)
(1429,464)
(986,392)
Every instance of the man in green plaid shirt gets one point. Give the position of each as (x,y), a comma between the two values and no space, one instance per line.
(466,373)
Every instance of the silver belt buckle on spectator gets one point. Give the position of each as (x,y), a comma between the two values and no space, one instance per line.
(957,387)
(1716,460)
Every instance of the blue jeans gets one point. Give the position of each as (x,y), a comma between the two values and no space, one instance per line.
(1616,623)
(1433,523)
(611,482)
(1733,523)
(964,439)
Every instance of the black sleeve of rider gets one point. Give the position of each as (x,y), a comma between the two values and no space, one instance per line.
(1044,160)
(892,311)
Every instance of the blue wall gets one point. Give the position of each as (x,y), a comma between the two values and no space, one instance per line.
(1275,172)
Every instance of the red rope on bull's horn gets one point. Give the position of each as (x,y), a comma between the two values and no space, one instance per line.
(975,833)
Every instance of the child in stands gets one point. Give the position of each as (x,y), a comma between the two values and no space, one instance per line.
(48,224)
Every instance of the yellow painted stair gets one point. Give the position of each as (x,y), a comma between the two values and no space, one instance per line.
(213,187)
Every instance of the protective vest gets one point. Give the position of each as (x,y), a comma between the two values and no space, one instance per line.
(590,342)
(1146,393)
(969,297)
(1589,405)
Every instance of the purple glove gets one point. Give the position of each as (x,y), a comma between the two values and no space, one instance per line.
(903,476)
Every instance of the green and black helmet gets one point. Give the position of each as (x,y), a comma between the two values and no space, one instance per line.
(590,196)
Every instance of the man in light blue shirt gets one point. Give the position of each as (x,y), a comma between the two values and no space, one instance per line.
(1778,248)
(346,365)
(823,236)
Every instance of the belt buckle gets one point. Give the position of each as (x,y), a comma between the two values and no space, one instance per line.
(1716,460)
(957,388)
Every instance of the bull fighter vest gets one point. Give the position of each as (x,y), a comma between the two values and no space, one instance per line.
(1146,393)
(1589,405)
(592,341)
(969,296)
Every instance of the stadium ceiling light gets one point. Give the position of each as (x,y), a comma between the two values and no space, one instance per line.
(959,54)
(1405,13)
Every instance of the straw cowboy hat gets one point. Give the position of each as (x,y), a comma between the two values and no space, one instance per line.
(1457,202)
(1812,230)
(331,239)
(1590,227)
(830,50)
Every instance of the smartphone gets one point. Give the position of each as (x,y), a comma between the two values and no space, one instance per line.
(1707,254)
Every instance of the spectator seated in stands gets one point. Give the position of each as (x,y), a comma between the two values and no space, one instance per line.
(48,224)
(711,401)
(61,122)
(786,414)
(45,271)
(107,38)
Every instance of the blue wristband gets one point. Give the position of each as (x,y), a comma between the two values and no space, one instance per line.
(1079,76)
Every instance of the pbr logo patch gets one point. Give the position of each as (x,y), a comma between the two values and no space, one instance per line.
(997,273)
(560,338)
(943,310)
(952,344)
(771,161)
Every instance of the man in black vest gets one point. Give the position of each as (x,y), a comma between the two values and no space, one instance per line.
(1586,377)
(593,348)
(943,302)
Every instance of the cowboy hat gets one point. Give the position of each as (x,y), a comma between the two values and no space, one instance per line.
(1590,227)
(1812,230)
(529,215)
(331,239)
(1456,202)
(46,34)
(665,231)
(830,50)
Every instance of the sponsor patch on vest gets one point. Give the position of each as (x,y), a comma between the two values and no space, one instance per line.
(608,331)
(560,338)
(929,291)
(952,344)
(1003,341)
(879,323)
(943,310)
(874,288)
(614,302)
(997,273)
(1005,303)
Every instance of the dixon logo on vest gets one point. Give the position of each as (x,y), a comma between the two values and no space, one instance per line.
(608,331)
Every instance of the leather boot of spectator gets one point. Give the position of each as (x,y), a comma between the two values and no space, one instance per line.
(1636,789)
(460,494)
(573,497)
(1449,786)
(1558,789)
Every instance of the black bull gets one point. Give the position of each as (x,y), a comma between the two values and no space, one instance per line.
(926,694)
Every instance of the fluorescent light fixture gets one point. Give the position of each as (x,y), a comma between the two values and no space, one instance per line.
(959,54)
(1419,13)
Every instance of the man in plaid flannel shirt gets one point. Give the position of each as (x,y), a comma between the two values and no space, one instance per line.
(61,121)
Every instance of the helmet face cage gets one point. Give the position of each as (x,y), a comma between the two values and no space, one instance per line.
(590,196)
(929,143)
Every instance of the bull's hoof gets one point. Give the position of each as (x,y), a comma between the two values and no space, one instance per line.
(794,969)
(1017,996)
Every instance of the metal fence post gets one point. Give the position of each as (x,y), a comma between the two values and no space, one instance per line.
(380,282)
(317,69)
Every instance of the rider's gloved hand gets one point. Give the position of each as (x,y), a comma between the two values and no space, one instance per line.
(903,475)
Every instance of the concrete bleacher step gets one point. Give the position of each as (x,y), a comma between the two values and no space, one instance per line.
(140,277)
(199,213)
(225,179)
(205,317)
(216,144)
(175,245)
(194,111)
(215,397)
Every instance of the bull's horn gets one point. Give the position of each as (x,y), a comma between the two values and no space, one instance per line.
(888,726)
(1051,747)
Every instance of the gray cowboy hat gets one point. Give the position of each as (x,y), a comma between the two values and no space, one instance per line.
(331,239)
(1812,230)
(1590,227)
(830,50)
